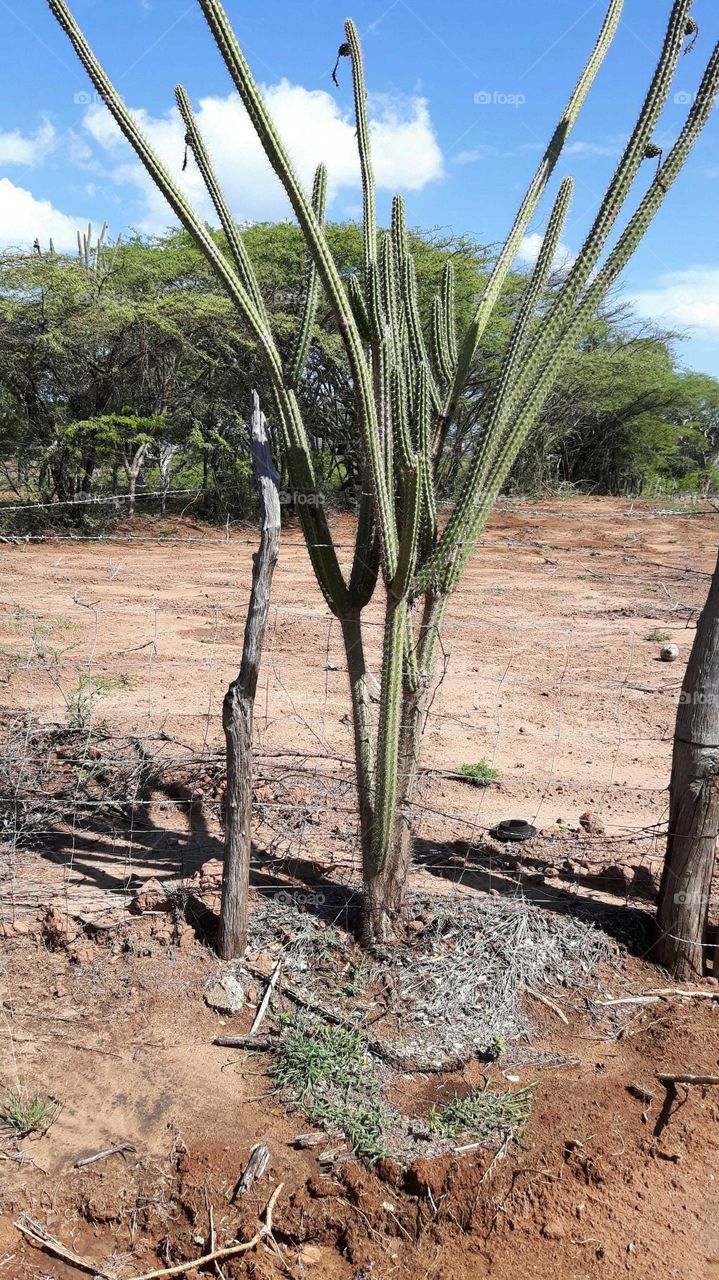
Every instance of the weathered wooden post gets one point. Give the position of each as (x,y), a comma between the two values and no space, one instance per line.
(693,806)
(238,707)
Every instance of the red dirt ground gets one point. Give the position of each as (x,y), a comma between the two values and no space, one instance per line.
(550,676)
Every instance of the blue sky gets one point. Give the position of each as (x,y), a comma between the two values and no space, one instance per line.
(463,98)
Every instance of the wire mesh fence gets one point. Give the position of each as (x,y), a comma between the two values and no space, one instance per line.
(550,706)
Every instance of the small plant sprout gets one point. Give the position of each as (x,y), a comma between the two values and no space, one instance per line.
(481,774)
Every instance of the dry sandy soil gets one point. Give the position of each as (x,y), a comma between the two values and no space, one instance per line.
(550,675)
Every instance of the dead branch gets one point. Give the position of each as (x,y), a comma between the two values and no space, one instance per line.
(259,1016)
(119,1150)
(671,1081)
(254,1169)
(537,995)
(259,1043)
(218,1254)
(37,1235)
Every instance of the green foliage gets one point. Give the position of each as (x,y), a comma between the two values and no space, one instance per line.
(326,1071)
(486,1115)
(312,1056)
(81,700)
(481,774)
(27,1113)
(657,636)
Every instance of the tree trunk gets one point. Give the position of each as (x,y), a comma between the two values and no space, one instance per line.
(238,708)
(131,487)
(693,806)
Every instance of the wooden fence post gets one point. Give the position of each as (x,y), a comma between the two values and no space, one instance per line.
(693,806)
(238,707)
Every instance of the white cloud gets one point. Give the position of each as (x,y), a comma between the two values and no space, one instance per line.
(313,127)
(471,155)
(531,245)
(28,149)
(23,217)
(686,299)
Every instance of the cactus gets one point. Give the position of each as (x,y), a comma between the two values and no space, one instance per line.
(408,384)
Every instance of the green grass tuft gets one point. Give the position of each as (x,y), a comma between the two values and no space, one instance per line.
(327,1072)
(481,774)
(485,1114)
(658,636)
(28,1114)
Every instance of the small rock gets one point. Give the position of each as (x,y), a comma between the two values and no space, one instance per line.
(416,926)
(185,937)
(591,824)
(151,897)
(59,930)
(554,1229)
(310,1255)
(224,992)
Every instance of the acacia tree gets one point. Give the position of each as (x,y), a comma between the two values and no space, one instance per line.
(407,385)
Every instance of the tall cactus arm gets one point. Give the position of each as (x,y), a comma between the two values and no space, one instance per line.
(415,334)
(620,255)
(528,206)
(614,199)
(516,348)
(329,274)
(323,556)
(390,297)
(312,290)
(440,351)
(240,256)
(363,145)
(411,509)
(359,310)
(516,389)
(365,564)
(404,449)
(448,311)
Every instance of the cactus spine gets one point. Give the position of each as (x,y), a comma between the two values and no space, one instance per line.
(408,384)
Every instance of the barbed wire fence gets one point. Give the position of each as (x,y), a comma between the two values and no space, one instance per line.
(113,672)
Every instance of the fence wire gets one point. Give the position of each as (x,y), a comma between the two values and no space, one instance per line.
(114,665)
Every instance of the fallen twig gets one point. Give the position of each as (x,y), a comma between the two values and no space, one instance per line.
(537,995)
(246,1042)
(37,1235)
(671,1081)
(254,1169)
(661,993)
(259,1016)
(119,1150)
(217,1254)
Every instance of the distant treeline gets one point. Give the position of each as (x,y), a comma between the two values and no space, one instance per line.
(125,380)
